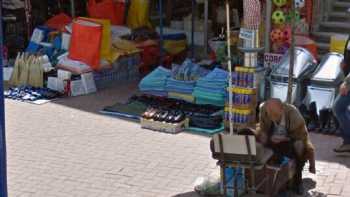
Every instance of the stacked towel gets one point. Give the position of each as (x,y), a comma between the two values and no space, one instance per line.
(183,77)
(211,89)
(155,82)
(185,87)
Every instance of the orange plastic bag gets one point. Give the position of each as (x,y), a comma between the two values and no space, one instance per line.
(106,43)
(59,21)
(107,9)
(86,43)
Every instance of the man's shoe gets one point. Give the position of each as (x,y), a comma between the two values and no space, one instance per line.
(344,148)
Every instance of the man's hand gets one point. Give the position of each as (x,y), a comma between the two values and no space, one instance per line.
(279,139)
(262,138)
(343,90)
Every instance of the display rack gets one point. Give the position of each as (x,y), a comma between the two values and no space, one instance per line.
(244,85)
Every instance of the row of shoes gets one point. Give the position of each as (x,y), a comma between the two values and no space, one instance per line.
(161,115)
(27,93)
(169,103)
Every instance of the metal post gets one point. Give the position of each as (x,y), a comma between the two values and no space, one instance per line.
(161,30)
(72,8)
(206,10)
(292,58)
(193,28)
(3,170)
(268,25)
(229,63)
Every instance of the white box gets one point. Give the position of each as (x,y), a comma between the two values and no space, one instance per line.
(77,88)
(88,83)
(56,84)
(63,74)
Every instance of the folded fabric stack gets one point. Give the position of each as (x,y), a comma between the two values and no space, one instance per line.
(155,82)
(183,80)
(184,87)
(180,96)
(211,89)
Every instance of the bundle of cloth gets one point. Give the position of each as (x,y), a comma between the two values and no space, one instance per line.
(183,80)
(211,89)
(155,82)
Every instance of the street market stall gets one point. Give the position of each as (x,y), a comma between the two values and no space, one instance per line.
(214,87)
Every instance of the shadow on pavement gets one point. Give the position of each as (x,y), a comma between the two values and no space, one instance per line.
(324,145)
(93,103)
(192,194)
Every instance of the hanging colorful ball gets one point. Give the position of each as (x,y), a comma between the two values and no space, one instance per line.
(299,3)
(287,33)
(296,15)
(278,17)
(280,3)
(276,35)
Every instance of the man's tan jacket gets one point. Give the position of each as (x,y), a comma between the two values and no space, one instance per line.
(295,125)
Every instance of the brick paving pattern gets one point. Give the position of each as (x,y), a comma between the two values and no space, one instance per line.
(66,149)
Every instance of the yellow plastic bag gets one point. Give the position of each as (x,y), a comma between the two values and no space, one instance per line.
(106,44)
(338,43)
(138,14)
(175,47)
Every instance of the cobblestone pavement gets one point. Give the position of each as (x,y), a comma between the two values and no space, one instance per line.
(66,149)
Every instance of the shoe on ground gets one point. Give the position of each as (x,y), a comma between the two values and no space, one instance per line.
(344,148)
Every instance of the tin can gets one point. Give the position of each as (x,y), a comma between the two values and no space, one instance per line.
(234,78)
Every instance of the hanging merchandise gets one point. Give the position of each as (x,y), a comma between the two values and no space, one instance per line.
(280,3)
(278,17)
(282,16)
(86,43)
(138,14)
(59,22)
(299,3)
(296,15)
(107,9)
(252,14)
(106,45)
(28,70)
(277,35)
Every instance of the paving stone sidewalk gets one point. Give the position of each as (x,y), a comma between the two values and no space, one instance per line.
(67,149)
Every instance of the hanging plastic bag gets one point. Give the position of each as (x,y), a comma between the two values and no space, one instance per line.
(59,22)
(36,73)
(107,9)
(138,14)
(106,43)
(338,43)
(16,71)
(86,43)
(24,70)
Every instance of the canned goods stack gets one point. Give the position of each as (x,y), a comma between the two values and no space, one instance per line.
(244,77)
(240,116)
(244,85)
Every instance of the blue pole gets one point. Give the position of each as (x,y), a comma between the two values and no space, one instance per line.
(193,28)
(3,170)
(161,30)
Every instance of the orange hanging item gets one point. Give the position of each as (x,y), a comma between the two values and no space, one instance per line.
(107,9)
(86,43)
(59,22)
